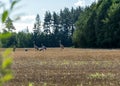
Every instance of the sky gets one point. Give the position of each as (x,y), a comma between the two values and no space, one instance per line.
(28,9)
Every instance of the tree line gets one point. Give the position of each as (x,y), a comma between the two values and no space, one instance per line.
(56,27)
(95,26)
(98,26)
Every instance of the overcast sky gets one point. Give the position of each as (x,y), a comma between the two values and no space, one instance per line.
(30,8)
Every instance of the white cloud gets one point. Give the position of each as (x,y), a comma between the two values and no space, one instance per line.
(22,26)
(94,1)
(27,18)
(80,3)
(24,22)
(84,3)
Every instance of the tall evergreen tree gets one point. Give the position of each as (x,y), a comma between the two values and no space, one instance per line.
(37,25)
(9,25)
(47,22)
(98,26)
(56,23)
(36,28)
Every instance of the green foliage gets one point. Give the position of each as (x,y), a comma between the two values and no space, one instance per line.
(5,69)
(24,39)
(9,25)
(37,25)
(4,15)
(47,23)
(57,26)
(8,40)
(5,59)
(30,84)
(45,84)
(96,76)
(60,26)
(5,35)
(99,25)
(14,3)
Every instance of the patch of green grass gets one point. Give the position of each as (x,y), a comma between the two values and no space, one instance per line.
(101,76)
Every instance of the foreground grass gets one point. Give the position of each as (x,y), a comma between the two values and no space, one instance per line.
(69,67)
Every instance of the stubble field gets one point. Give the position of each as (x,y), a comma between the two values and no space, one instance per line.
(68,67)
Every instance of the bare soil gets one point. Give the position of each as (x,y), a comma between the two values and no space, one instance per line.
(68,67)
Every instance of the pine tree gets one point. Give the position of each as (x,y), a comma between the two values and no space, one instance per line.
(47,23)
(36,28)
(37,25)
(9,25)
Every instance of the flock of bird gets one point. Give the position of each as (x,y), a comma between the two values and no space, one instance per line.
(42,48)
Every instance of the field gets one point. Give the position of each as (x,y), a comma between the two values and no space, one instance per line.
(68,67)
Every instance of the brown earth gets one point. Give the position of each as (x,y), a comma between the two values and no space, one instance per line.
(68,67)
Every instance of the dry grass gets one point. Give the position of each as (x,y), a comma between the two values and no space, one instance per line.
(69,67)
